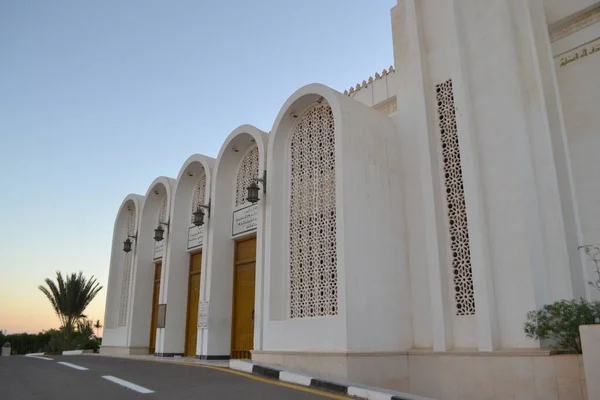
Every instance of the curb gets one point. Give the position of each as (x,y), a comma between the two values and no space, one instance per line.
(61,353)
(361,391)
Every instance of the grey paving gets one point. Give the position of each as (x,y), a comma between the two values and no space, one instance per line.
(31,378)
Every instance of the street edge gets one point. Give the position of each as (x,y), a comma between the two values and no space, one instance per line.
(319,383)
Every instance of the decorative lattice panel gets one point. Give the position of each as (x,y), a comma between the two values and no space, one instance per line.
(162,212)
(247,171)
(455,201)
(127,265)
(199,194)
(313,255)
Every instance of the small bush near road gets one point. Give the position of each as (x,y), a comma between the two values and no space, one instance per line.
(560,322)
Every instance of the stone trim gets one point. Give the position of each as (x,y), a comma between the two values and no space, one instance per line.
(222,357)
(388,106)
(530,352)
(329,353)
(344,388)
(476,353)
(168,354)
(574,23)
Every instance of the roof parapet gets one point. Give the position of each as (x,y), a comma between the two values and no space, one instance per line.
(353,90)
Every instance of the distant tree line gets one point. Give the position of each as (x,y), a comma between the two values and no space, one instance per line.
(51,341)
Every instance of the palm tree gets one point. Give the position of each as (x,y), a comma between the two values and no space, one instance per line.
(70,297)
(97,325)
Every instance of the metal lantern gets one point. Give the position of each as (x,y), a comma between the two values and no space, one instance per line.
(198,217)
(159,233)
(253,193)
(127,245)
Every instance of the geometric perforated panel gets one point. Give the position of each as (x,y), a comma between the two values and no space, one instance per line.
(199,194)
(127,265)
(247,172)
(455,201)
(162,212)
(313,235)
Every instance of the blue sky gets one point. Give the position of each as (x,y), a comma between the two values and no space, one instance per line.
(97,98)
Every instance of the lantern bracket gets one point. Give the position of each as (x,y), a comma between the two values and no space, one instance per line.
(205,206)
(262,180)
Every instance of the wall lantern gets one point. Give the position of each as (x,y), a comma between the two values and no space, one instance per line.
(253,188)
(127,243)
(199,214)
(159,232)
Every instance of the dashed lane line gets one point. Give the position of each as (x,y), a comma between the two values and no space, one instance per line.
(41,358)
(66,364)
(244,374)
(128,385)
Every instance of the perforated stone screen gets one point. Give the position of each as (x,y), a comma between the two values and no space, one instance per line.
(199,194)
(313,247)
(455,201)
(162,212)
(126,278)
(247,171)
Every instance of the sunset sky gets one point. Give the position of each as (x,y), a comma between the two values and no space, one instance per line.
(99,98)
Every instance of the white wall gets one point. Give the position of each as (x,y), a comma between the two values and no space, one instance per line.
(580,96)
(373,289)
(519,205)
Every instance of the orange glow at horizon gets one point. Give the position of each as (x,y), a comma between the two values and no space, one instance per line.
(30,311)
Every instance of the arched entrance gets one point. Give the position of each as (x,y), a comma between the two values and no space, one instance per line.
(191,329)
(155,297)
(234,259)
(244,273)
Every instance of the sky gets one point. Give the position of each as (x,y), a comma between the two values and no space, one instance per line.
(98,98)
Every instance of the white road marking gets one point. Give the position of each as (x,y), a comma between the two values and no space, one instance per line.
(73,366)
(41,358)
(128,385)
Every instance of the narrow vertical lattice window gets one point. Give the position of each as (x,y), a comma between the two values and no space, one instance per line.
(455,201)
(199,194)
(126,278)
(247,171)
(313,254)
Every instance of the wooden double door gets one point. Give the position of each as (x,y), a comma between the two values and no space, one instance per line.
(242,335)
(191,330)
(154,317)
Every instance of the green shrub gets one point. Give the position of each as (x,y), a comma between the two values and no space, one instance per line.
(560,322)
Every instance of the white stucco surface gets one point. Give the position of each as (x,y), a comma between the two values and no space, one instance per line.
(464,178)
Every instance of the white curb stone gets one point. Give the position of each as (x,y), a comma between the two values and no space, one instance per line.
(298,379)
(241,365)
(367,394)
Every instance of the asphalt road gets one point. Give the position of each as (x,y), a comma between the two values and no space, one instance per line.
(113,378)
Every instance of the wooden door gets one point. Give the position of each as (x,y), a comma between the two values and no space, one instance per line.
(242,336)
(154,318)
(191,332)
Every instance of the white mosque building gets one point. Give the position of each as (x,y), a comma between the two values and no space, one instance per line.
(395,234)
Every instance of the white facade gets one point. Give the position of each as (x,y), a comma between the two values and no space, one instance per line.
(426,209)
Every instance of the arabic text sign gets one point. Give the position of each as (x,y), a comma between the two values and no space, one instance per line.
(159,248)
(245,219)
(203,315)
(195,237)
(580,53)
